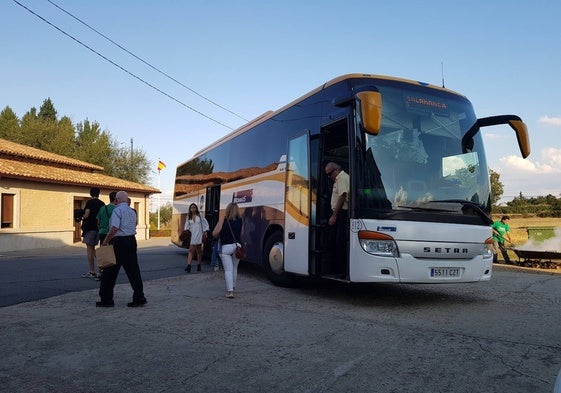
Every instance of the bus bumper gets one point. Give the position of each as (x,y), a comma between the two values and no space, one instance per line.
(406,269)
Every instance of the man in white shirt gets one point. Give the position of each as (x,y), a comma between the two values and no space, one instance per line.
(340,215)
(122,237)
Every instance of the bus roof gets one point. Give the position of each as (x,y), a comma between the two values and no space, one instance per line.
(269,114)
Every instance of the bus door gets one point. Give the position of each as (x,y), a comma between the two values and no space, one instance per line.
(330,250)
(212,210)
(297,205)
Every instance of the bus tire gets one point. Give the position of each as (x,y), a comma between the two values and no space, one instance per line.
(273,261)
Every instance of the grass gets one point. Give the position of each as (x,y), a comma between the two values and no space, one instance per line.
(519,226)
(519,229)
(160,233)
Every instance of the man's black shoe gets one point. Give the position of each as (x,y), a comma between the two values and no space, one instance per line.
(137,303)
(104,304)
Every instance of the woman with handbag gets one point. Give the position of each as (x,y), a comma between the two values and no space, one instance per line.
(229,230)
(198,226)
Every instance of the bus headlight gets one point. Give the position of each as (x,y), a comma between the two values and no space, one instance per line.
(489,248)
(377,243)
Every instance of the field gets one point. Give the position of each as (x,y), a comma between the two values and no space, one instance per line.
(519,234)
(519,226)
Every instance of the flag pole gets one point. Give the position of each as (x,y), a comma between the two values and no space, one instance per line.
(159,171)
(161,166)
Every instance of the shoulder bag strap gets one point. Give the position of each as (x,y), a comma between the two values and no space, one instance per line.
(232,232)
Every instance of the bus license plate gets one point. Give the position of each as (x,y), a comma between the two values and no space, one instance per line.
(445,272)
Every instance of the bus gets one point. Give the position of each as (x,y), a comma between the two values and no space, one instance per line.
(420,194)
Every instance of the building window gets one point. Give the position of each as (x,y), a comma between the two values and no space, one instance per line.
(7,209)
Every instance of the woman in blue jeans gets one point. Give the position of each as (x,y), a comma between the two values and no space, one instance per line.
(229,231)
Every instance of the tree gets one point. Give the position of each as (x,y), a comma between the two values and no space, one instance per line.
(29,129)
(47,111)
(100,148)
(93,145)
(130,165)
(9,124)
(62,138)
(165,216)
(497,189)
(85,141)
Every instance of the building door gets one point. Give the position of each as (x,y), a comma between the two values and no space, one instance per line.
(77,214)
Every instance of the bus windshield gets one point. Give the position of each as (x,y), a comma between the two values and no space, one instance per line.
(417,159)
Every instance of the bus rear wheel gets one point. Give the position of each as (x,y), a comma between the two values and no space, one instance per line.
(273,260)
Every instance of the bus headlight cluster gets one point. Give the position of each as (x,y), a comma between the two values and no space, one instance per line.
(376,243)
(488,251)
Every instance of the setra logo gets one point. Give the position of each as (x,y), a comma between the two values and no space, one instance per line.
(446,250)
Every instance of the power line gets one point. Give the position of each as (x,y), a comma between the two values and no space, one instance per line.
(145,62)
(122,68)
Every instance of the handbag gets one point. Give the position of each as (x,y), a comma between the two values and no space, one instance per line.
(185,237)
(105,256)
(240,251)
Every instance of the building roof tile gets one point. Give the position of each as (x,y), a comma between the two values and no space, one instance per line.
(28,163)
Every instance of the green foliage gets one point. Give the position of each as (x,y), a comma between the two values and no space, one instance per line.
(130,165)
(542,206)
(93,145)
(165,216)
(9,124)
(497,189)
(196,167)
(47,111)
(85,141)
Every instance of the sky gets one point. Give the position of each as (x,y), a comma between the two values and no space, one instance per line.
(198,70)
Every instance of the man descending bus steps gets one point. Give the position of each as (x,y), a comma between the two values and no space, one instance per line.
(340,216)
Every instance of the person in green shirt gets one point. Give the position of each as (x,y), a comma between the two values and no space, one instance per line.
(104,215)
(501,233)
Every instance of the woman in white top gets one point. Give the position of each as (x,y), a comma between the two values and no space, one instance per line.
(198,226)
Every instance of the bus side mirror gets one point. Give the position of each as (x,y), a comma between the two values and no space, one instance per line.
(522,135)
(371,111)
(512,120)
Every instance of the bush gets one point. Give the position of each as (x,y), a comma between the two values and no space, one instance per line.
(160,233)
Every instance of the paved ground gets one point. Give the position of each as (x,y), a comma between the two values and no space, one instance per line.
(191,338)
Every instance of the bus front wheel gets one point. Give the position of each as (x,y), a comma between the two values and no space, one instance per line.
(273,257)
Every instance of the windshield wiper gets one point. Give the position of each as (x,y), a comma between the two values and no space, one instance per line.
(425,208)
(468,205)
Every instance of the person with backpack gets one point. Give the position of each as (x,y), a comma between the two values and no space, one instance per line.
(90,231)
(104,215)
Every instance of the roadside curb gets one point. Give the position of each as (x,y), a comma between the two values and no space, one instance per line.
(526,269)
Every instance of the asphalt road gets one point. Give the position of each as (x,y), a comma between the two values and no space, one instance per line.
(42,273)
